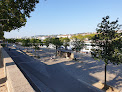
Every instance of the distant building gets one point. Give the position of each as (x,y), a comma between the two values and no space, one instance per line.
(87,48)
(120,31)
(42,38)
(64,36)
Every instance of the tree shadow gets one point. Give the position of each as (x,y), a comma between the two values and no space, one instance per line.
(3,80)
(117,80)
(9,64)
(88,67)
(83,69)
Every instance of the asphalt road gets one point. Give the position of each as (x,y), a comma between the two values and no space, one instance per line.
(48,78)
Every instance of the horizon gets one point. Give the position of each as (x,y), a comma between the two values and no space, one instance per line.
(51,35)
(67,17)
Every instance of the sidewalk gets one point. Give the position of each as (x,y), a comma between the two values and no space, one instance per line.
(86,69)
(3,79)
(92,72)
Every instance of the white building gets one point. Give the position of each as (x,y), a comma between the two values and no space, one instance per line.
(42,38)
(64,36)
(87,48)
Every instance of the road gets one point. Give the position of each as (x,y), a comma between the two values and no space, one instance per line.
(47,78)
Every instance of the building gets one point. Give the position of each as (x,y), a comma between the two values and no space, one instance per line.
(64,36)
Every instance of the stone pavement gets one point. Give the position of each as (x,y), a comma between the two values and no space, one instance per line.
(92,71)
(86,69)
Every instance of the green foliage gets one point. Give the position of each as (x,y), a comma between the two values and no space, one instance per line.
(11,40)
(78,44)
(81,37)
(1,34)
(65,42)
(47,41)
(57,42)
(90,36)
(107,42)
(116,57)
(17,11)
(26,42)
(36,47)
(35,43)
(41,43)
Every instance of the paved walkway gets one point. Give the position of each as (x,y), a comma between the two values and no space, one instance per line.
(86,69)
(56,78)
(93,72)
(2,77)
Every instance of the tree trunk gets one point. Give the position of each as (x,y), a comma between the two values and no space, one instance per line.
(56,50)
(35,52)
(105,76)
(65,47)
(76,55)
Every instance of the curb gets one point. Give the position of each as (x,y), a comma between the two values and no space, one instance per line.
(16,82)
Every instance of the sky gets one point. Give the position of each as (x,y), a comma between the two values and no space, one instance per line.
(68,17)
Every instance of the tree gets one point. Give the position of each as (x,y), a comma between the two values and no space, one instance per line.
(57,42)
(40,42)
(116,45)
(65,41)
(17,11)
(35,43)
(106,43)
(26,43)
(47,41)
(90,36)
(78,44)
(1,33)
(19,41)
(12,41)
(79,36)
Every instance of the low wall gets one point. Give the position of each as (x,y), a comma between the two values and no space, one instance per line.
(16,82)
